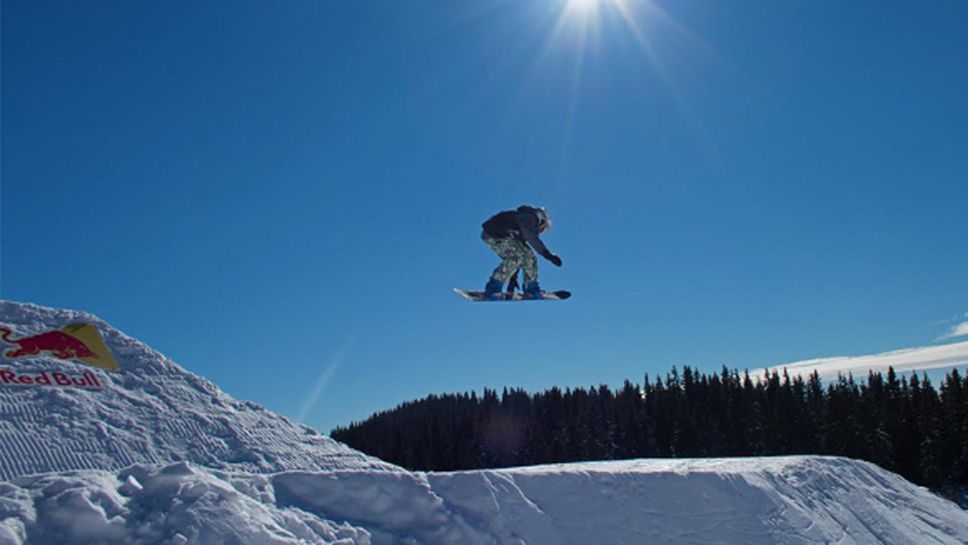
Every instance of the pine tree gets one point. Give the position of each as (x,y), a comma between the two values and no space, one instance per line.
(952,422)
(932,469)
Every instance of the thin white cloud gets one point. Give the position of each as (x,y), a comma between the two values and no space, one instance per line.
(906,360)
(959,330)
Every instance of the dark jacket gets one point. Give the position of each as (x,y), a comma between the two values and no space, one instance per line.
(521,224)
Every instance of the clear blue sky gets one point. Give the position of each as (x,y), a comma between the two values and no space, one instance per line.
(281,195)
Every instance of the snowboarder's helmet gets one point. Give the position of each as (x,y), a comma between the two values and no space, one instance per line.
(544,219)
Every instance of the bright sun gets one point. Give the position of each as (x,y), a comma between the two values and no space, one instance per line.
(583,4)
(587,15)
(584,25)
(586,10)
(583,7)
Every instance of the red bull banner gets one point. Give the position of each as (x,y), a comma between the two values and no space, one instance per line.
(79,342)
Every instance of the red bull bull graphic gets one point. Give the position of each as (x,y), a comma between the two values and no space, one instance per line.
(58,343)
(80,342)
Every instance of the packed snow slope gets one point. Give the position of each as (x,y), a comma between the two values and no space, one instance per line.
(791,501)
(150,411)
(159,456)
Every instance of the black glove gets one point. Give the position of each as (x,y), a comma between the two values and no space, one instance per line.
(555,260)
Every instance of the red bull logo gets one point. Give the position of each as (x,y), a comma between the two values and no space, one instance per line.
(87,380)
(80,342)
(59,344)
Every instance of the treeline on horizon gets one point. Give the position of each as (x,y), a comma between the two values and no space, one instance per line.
(903,424)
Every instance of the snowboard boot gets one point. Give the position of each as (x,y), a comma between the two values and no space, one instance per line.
(532,291)
(493,289)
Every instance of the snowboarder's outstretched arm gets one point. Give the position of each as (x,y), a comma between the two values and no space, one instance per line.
(528,224)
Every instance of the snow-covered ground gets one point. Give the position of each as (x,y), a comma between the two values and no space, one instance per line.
(797,500)
(160,456)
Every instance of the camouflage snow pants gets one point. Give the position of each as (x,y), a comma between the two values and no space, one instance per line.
(515,255)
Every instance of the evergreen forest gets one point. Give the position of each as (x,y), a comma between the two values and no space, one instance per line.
(903,424)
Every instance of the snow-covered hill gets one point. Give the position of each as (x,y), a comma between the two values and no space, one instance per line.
(159,456)
(150,411)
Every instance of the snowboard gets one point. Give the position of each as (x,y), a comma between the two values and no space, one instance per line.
(478,296)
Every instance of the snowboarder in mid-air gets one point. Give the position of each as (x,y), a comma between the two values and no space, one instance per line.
(512,234)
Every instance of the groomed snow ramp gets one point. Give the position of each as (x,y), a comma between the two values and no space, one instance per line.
(149,411)
(742,501)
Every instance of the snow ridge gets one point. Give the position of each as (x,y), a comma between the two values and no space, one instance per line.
(150,412)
